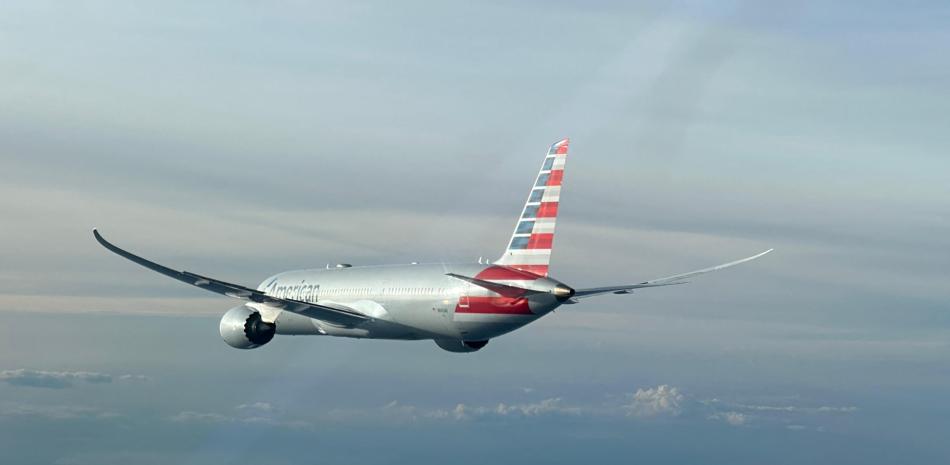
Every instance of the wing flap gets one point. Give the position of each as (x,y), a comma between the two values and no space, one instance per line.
(338,314)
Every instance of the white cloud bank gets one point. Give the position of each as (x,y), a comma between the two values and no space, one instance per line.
(658,401)
(55,412)
(60,379)
(552,406)
(251,414)
(732,418)
(644,405)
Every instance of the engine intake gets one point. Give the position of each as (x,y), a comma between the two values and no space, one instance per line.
(243,328)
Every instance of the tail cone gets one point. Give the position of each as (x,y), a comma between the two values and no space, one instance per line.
(562,292)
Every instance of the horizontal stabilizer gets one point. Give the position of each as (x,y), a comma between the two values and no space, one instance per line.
(503,289)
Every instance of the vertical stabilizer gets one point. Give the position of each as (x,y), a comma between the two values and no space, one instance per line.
(533,238)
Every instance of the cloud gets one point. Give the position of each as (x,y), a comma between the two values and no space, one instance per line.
(397,412)
(60,379)
(552,406)
(660,403)
(199,417)
(732,418)
(257,413)
(670,401)
(797,409)
(55,412)
(739,414)
(51,379)
(662,400)
(645,404)
(256,406)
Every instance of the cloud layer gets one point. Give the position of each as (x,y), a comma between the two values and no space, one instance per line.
(60,379)
(659,403)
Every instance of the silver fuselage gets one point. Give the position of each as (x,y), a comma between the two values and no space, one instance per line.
(417,301)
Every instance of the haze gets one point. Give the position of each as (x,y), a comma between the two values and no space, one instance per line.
(239,139)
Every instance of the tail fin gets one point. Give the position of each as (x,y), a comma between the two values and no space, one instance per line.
(533,238)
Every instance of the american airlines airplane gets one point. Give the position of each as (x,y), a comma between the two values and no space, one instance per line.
(459,306)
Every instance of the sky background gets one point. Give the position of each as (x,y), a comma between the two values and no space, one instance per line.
(239,139)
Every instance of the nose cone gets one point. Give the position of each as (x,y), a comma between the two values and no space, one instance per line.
(562,292)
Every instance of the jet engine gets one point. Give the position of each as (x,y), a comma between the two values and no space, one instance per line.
(454,345)
(242,328)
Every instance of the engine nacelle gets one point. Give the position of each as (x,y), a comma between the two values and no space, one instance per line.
(242,328)
(455,345)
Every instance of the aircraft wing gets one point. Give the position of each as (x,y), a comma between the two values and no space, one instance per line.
(667,281)
(338,314)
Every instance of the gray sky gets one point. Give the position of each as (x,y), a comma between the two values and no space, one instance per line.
(238,139)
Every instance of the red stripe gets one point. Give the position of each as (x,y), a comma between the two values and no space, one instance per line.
(497,305)
(540,241)
(555,178)
(508,273)
(547,210)
(540,270)
(562,150)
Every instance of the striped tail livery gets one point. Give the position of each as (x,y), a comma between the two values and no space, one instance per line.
(531,242)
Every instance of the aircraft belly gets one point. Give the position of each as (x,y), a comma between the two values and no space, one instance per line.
(476,327)
(432,316)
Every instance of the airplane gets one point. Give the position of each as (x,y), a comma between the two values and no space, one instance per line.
(459,306)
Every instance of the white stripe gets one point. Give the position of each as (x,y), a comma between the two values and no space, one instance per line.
(530,251)
(559,163)
(543,225)
(551,194)
(519,259)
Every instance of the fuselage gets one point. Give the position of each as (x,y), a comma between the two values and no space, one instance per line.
(417,301)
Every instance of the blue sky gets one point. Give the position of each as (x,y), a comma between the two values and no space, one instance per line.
(238,139)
